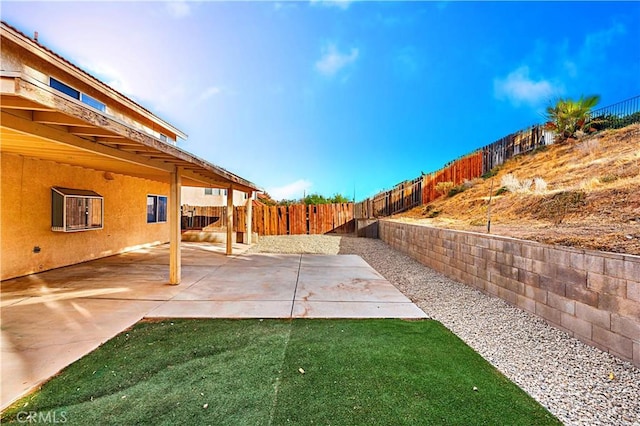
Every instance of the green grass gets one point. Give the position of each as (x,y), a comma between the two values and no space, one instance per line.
(237,372)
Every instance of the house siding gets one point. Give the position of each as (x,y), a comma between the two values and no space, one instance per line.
(25,219)
(15,59)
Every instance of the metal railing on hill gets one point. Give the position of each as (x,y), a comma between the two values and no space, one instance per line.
(618,115)
(422,190)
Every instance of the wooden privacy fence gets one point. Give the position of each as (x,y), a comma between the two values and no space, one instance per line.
(514,144)
(465,168)
(295,219)
(198,217)
(420,190)
(403,196)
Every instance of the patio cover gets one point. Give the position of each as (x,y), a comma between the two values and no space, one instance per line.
(40,122)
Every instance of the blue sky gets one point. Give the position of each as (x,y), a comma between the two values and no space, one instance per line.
(344,97)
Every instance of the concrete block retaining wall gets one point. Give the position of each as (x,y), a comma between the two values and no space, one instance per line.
(594,296)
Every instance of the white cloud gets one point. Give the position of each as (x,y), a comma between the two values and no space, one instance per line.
(333,60)
(519,88)
(596,44)
(284,5)
(178,8)
(290,191)
(111,76)
(166,100)
(340,4)
(208,93)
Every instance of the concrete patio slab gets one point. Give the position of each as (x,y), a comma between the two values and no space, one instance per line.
(39,339)
(331,261)
(332,273)
(355,310)
(51,319)
(223,309)
(347,289)
(278,286)
(266,260)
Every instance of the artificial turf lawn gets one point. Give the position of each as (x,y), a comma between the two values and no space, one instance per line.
(240,372)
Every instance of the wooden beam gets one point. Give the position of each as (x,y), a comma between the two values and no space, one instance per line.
(230,220)
(30,128)
(175,260)
(210,182)
(49,117)
(14,102)
(249,217)
(46,96)
(89,131)
(116,140)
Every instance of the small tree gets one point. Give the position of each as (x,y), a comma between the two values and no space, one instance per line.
(266,199)
(339,199)
(567,117)
(321,199)
(315,199)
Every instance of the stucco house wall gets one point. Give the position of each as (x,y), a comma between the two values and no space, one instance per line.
(193,196)
(25,219)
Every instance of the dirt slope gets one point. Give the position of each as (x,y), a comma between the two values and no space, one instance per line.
(591,199)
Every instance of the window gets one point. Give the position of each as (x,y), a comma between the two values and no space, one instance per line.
(208,191)
(163,137)
(76,210)
(156,208)
(92,102)
(61,87)
(76,94)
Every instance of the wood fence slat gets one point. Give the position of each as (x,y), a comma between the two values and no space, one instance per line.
(295,219)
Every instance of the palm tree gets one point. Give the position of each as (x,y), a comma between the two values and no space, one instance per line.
(567,116)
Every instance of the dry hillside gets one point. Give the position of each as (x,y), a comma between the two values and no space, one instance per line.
(583,194)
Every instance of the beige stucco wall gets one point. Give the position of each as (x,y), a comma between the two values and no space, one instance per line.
(196,197)
(25,219)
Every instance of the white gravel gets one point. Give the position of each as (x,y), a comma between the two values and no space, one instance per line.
(569,378)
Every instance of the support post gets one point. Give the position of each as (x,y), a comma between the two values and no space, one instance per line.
(230,220)
(175,260)
(249,218)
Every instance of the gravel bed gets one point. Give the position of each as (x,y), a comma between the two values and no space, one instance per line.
(569,378)
(318,244)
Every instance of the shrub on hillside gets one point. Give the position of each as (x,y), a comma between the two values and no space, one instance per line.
(443,187)
(456,190)
(501,191)
(539,185)
(513,184)
(491,173)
